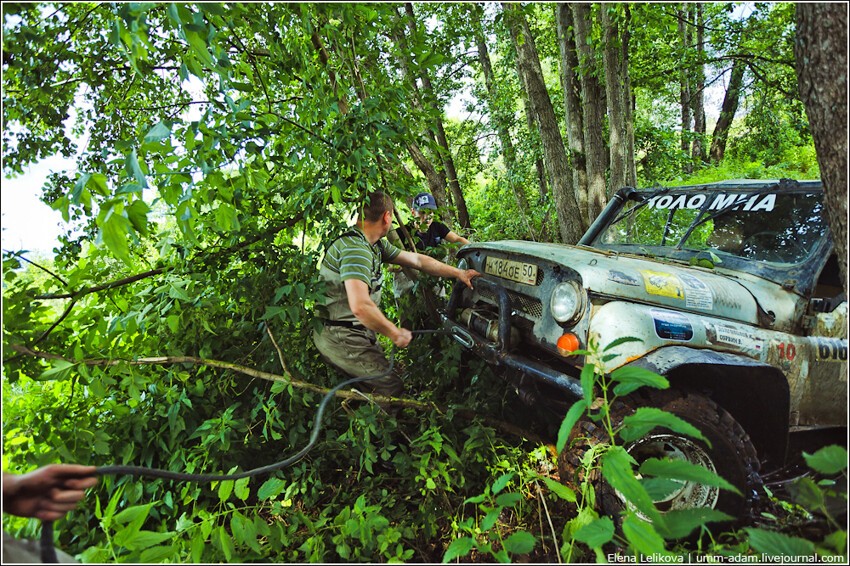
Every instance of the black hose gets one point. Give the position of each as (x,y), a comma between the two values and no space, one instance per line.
(48,551)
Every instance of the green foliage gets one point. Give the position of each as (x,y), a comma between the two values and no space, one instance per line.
(216,151)
(643,529)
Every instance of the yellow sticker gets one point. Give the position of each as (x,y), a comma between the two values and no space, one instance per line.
(663,284)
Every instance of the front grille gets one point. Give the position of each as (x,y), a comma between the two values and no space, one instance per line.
(528,305)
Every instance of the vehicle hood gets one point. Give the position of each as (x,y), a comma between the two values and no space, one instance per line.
(715,292)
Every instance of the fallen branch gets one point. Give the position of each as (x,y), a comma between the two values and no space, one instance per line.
(289,380)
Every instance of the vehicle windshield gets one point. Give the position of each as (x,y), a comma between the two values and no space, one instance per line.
(780,227)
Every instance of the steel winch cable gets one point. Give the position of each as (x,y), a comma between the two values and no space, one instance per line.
(48,551)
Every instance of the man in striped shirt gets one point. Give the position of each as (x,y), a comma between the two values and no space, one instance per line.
(352,270)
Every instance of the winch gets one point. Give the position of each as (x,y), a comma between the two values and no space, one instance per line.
(486,324)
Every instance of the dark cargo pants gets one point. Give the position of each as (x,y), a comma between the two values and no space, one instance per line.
(356,352)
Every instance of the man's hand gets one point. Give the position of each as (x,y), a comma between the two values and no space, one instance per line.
(467,275)
(47,493)
(402,337)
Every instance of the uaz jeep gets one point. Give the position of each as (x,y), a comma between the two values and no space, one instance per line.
(732,288)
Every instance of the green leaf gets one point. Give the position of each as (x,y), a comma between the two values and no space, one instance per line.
(806,493)
(459,548)
(137,213)
(660,488)
(621,340)
(642,536)
(519,542)
(131,164)
(199,47)
(226,543)
(157,133)
(682,470)
(681,522)
(573,415)
(647,418)
(508,499)
(587,378)
(199,543)
(244,531)
(631,378)
(560,490)
(777,544)
(164,553)
(271,488)
(490,519)
(60,370)
(500,483)
(114,232)
(132,513)
(226,217)
(225,488)
(617,471)
(596,533)
(146,539)
(828,460)
(240,488)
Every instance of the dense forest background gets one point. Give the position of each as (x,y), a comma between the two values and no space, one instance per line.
(218,146)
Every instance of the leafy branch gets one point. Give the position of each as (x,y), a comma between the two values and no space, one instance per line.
(288,380)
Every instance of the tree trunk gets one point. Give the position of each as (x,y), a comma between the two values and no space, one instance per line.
(500,119)
(571,84)
(629,106)
(435,176)
(446,153)
(684,83)
(727,112)
(436,180)
(534,135)
(698,149)
(822,80)
(614,91)
(593,108)
(554,154)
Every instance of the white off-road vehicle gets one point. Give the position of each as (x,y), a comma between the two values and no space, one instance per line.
(733,289)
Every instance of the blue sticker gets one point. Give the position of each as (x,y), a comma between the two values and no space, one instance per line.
(672,325)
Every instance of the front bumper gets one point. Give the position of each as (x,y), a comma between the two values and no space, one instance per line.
(497,353)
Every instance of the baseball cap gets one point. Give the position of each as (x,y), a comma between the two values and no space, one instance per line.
(424,200)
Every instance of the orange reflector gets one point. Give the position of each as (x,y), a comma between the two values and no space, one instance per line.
(567,343)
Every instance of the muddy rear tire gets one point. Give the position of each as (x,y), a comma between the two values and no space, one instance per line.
(731,455)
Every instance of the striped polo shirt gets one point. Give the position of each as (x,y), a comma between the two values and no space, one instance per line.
(351,257)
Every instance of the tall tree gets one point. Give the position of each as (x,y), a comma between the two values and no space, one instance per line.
(499,116)
(698,153)
(684,77)
(615,57)
(555,156)
(593,109)
(571,85)
(727,111)
(821,56)
(445,151)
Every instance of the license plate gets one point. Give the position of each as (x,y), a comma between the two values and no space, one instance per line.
(513,270)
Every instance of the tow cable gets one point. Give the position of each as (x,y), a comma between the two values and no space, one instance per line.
(48,551)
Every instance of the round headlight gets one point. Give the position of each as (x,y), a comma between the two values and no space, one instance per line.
(463,264)
(567,302)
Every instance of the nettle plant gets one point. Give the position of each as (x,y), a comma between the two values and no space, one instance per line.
(608,470)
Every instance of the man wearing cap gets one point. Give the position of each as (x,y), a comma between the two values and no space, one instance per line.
(352,271)
(430,233)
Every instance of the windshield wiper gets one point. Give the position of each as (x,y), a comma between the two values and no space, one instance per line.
(783,184)
(640,205)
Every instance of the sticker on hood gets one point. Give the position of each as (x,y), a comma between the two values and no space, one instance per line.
(672,325)
(697,294)
(662,284)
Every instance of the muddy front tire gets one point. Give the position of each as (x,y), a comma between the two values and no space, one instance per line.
(732,455)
